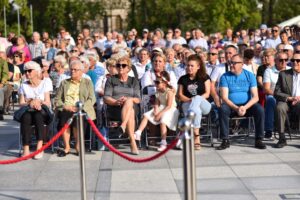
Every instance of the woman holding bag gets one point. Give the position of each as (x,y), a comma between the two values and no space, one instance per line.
(35,94)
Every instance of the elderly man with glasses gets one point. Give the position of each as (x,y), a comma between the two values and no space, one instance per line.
(287,95)
(269,81)
(71,90)
(240,97)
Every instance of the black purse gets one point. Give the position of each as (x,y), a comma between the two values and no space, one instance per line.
(19,113)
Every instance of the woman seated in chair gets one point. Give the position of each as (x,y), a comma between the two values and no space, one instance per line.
(71,90)
(121,94)
(193,90)
(34,93)
(164,111)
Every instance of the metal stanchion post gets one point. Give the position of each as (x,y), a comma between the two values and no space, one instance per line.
(80,126)
(185,125)
(191,116)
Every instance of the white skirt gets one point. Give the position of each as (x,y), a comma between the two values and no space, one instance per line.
(169,118)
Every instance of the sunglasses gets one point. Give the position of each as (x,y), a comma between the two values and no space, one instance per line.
(283,60)
(298,51)
(213,54)
(274,30)
(72,51)
(95,36)
(121,65)
(28,71)
(295,60)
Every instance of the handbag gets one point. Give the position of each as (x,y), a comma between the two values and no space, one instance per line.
(19,113)
(46,111)
(49,113)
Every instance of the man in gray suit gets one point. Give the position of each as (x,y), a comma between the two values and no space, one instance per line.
(287,94)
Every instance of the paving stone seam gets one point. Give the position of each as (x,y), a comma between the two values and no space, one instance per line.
(239,178)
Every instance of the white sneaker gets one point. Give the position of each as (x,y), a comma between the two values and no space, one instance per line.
(39,156)
(179,144)
(137,135)
(162,148)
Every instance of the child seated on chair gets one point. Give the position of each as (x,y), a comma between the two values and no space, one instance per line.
(164,111)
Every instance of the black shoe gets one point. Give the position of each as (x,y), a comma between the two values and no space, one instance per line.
(1,117)
(268,134)
(281,143)
(62,153)
(259,144)
(224,145)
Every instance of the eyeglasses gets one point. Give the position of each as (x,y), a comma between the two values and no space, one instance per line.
(234,63)
(287,29)
(295,60)
(274,30)
(76,70)
(283,60)
(157,82)
(96,36)
(213,54)
(121,65)
(298,51)
(16,56)
(28,71)
(74,50)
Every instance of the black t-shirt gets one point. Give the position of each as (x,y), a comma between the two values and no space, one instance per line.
(192,87)
(260,72)
(11,68)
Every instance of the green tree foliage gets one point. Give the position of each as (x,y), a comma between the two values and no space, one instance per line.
(12,19)
(285,9)
(236,14)
(168,13)
(49,15)
(210,16)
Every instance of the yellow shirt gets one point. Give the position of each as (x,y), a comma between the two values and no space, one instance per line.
(73,93)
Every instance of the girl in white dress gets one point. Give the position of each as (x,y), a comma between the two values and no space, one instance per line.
(164,112)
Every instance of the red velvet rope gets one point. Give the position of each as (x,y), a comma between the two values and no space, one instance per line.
(131,159)
(53,139)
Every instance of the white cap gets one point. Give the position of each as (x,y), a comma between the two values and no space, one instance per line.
(32,65)
(145,30)
(67,37)
(157,49)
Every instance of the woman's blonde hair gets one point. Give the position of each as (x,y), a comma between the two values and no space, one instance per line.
(126,59)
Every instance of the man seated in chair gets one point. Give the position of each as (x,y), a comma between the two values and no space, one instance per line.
(240,96)
(287,94)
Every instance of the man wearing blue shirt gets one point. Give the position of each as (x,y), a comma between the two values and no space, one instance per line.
(239,96)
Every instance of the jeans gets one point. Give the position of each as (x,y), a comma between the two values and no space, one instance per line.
(270,107)
(256,111)
(199,106)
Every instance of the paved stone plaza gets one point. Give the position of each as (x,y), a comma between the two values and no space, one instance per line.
(240,172)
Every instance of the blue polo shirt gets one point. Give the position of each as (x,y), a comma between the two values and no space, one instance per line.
(239,86)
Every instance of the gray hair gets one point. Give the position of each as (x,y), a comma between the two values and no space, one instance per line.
(61,59)
(91,54)
(77,63)
(32,65)
(84,59)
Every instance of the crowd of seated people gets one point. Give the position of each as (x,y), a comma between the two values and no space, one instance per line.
(230,74)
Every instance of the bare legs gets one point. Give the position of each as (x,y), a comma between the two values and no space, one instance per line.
(197,138)
(128,123)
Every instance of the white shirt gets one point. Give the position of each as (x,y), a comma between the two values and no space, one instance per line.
(296,84)
(271,76)
(35,92)
(180,41)
(198,42)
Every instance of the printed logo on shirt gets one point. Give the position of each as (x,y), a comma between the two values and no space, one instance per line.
(192,88)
